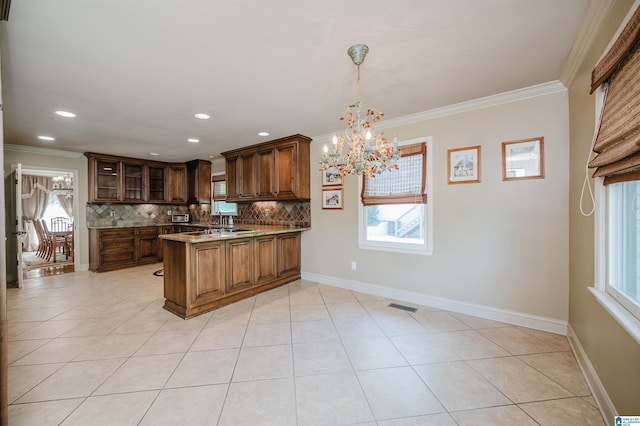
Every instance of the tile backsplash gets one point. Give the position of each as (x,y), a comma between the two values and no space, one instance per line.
(291,213)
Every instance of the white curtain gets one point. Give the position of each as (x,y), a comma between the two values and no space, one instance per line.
(35,197)
(66,202)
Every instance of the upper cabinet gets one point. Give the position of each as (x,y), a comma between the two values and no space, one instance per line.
(177,183)
(199,182)
(271,171)
(114,179)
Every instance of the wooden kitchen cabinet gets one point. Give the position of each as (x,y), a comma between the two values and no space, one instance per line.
(265,263)
(203,275)
(288,248)
(114,179)
(111,249)
(239,264)
(198,182)
(271,171)
(157,178)
(147,243)
(133,183)
(119,248)
(177,183)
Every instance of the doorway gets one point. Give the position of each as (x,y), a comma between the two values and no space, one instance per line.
(49,198)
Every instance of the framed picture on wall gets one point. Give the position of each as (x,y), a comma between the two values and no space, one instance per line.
(464,165)
(523,159)
(331,177)
(332,198)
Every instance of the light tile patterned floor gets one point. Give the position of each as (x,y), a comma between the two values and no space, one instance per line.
(98,349)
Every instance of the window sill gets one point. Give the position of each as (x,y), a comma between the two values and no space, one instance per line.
(397,249)
(630,323)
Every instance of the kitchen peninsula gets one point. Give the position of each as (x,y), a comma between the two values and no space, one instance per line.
(213,267)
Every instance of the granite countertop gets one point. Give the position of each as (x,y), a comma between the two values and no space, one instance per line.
(226,233)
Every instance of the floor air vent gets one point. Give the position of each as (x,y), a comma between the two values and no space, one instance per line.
(404,308)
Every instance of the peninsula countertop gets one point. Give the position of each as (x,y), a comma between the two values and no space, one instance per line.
(204,232)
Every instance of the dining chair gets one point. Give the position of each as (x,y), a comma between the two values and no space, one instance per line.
(60,224)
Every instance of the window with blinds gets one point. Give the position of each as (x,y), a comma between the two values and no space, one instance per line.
(219,187)
(394,214)
(402,186)
(617,145)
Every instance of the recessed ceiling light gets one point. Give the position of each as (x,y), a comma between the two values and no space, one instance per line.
(65,114)
(263,133)
(193,140)
(202,116)
(46,138)
(155,154)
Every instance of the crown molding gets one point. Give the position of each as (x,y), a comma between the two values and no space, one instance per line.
(475,104)
(42,151)
(594,16)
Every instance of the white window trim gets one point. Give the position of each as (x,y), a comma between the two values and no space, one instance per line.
(601,290)
(410,248)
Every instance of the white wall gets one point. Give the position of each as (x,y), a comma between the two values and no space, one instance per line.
(500,248)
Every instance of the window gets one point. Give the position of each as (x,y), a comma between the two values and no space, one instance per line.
(622,280)
(396,207)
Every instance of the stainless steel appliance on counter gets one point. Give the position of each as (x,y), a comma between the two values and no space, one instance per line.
(180,218)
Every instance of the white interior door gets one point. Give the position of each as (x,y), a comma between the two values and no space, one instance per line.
(14,230)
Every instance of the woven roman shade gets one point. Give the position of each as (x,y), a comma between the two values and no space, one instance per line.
(403,186)
(219,187)
(617,145)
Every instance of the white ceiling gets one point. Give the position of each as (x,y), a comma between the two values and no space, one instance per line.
(135,71)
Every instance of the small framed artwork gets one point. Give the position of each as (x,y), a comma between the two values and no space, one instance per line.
(331,177)
(332,198)
(523,159)
(464,165)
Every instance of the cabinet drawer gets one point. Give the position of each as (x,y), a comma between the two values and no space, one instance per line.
(150,231)
(116,233)
(121,244)
(120,257)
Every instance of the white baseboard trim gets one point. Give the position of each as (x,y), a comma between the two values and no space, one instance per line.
(607,409)
(488,312)
(82,267)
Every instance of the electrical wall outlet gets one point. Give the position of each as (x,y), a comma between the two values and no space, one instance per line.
(353,265)
(169,212)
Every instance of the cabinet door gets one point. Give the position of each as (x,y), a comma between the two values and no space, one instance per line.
(177,184)
(147,244)
(107,180)
(239,264)
(133,181)
(264,173)
(285,166)
(169,229)
(199,182)
(232,174)
(208,273)
(288,254)
(265,259)
(156,181)
(248,175)
(116,248)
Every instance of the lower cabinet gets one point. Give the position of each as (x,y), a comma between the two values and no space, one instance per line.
(208,262)
(239,264)
(118,248)
(199,277)
(288,254)
(265,259)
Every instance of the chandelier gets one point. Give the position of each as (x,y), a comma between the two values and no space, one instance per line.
(63,185)
(360,150)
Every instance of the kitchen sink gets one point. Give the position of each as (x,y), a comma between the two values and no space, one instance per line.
(216,231)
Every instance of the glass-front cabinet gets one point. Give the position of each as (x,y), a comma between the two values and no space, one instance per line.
(107,178)
(133,183)
(126,180)
(157,183)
